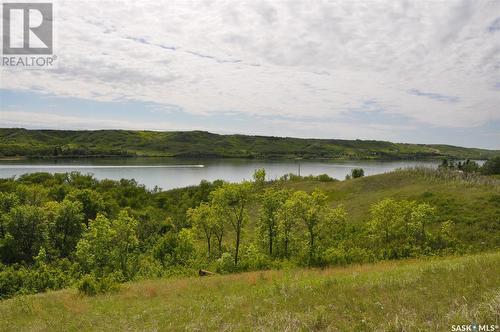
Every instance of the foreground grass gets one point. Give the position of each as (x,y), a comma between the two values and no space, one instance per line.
(429,295)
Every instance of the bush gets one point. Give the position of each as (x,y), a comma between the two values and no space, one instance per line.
(325,178)
(491,167)
(253,259)
(225,264)
(90,285)
(345,256)
(357,173)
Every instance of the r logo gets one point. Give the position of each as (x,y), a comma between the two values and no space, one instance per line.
(27,28)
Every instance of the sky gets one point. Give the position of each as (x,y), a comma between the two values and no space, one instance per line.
(402,71)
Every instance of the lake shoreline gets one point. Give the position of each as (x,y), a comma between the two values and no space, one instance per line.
(117,157)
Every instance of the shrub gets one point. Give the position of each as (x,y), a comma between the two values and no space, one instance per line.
(90,285)
(225,264)
(357,173)
(325,178)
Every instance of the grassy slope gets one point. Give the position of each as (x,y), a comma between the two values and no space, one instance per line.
(428,295)
(474,206)
(22,142)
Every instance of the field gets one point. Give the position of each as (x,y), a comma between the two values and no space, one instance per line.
(126,143)
(413,295)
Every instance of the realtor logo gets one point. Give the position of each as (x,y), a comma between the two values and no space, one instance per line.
(27,28)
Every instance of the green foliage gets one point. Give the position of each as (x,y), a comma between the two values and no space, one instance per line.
(272,201)
(357,173)
(108,246)
(492,166)
(55,229)
(53,143)
(65,225)
(225,264)
(175,249)
(399,228)
(90,285)
(231,199)
(25,232)
(259,177)
(204,220)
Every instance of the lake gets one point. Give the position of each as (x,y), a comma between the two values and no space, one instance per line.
(168,173)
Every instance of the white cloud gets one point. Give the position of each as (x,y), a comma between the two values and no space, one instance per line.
(281,58)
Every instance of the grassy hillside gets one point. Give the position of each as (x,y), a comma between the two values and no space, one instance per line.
(57,143)
(472,203)
(413,295)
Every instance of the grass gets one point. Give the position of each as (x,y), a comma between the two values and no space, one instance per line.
(412,295)
(472,203)
(127,143)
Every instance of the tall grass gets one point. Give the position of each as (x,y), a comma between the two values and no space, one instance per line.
(449,176)
(413,295)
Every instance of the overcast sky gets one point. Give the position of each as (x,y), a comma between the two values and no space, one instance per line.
(404,71)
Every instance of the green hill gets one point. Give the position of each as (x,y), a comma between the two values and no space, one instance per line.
(413,295)
(64,143)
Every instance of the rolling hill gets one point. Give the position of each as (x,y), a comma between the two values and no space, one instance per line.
(64,143)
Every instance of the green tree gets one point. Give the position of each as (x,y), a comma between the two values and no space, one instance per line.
(232,200)
(271,202)
(93,203)
(25,230)
(310,208)
(108,245)
(174,249)
(259,178)
(287,222)
(357,173)
(385,216)
(491,167)
(203,220)
(65,223)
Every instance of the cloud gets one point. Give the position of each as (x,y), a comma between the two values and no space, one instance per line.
(426,63)
(434,96)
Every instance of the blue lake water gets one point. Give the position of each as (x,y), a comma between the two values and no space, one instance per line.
(168,173)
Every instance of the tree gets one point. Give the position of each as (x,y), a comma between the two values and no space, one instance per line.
(470,166)
(232,200)
(65,223)
(271,202)
(220,221)
(94,250)
(384,217)
(357,173)
(491,167)
(309,208)
(108,245)
(259,178)
(287,221)
(333,228)
(7,202)
(25,230)
(93,203)
(400,226)
(421,215)
(203,220)
(175,248)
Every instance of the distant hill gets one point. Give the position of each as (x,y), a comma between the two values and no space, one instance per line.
(94,143)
